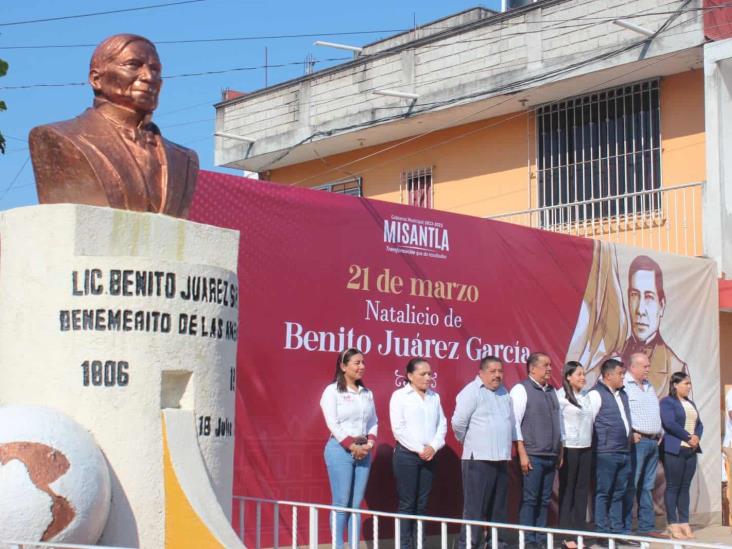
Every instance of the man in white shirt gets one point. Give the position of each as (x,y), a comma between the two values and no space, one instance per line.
(483,423)
(645,416)
(539,444)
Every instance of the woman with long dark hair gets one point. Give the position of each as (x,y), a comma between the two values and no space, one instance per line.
(682,433)
(419,427)
(350,414)
(574,474)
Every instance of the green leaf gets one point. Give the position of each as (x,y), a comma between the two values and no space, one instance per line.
(3,106)
(2,144)
(3,67)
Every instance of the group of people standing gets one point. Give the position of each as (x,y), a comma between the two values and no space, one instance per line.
(618,429)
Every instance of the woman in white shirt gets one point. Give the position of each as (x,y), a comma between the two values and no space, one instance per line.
(574,474)
(419,427)
(348,408)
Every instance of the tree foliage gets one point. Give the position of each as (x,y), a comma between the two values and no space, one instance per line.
(3,72)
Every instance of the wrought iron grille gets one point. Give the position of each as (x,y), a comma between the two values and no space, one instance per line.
(602,145)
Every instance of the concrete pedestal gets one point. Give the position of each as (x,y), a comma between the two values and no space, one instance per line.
(127,322)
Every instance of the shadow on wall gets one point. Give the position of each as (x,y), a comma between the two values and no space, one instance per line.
(123,528)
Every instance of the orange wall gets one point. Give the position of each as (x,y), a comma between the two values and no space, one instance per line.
(488,167)
(683,156)
(478,168)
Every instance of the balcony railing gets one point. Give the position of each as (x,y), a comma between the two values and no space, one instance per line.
(665,220)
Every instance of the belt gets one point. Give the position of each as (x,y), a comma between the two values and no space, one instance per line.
(651,437)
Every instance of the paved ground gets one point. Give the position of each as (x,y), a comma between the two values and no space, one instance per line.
(715,534)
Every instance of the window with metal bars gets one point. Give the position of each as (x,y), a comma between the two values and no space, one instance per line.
(599,155)
(417,185)
(351,186)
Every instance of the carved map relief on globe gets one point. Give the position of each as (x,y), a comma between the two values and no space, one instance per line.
(54,481)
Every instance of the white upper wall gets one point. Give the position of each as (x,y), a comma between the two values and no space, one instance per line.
(529,47)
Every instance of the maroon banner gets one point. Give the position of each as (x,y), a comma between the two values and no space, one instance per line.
(320,271)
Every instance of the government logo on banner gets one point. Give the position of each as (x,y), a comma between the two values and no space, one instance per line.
(417,237)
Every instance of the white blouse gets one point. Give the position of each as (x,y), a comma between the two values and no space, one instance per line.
(349,413)
(691,417)
(576,422)
(416,421)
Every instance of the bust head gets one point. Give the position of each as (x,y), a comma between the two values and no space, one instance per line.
(112,154)
(125,70)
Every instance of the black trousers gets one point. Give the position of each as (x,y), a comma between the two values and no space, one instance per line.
(413,482)
(574,484)
(679,471)
(485,485)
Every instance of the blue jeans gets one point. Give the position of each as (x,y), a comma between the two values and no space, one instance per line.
(348,479)
(644,460)
(537,491)
(612,479)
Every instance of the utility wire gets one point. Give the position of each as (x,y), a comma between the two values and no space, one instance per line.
(182,75)
(471,115)
(497,90)
(214,40)
(604,19)
(364,58)
(12,181)
(489,125)
(233,119)
(480,59)
(81,15)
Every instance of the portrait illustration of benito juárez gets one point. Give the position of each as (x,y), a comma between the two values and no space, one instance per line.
(615,323)
(646,306)
(112,154)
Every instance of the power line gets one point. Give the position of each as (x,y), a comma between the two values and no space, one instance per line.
(94,14)
(234,119)
(341,33)
(665,26)
(429,105)
(500,89)
(17,175)
(459,136)
(182,75)
(213,40)
(478,59)
(487,41)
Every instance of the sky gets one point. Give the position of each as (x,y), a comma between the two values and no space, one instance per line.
(185,114)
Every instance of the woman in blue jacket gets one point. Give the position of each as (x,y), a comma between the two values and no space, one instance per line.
(682,432)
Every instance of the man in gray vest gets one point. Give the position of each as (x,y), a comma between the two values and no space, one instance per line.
(539,444)
(483,423)
(612,442)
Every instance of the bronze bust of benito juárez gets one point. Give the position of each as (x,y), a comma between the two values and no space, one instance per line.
(112,154)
